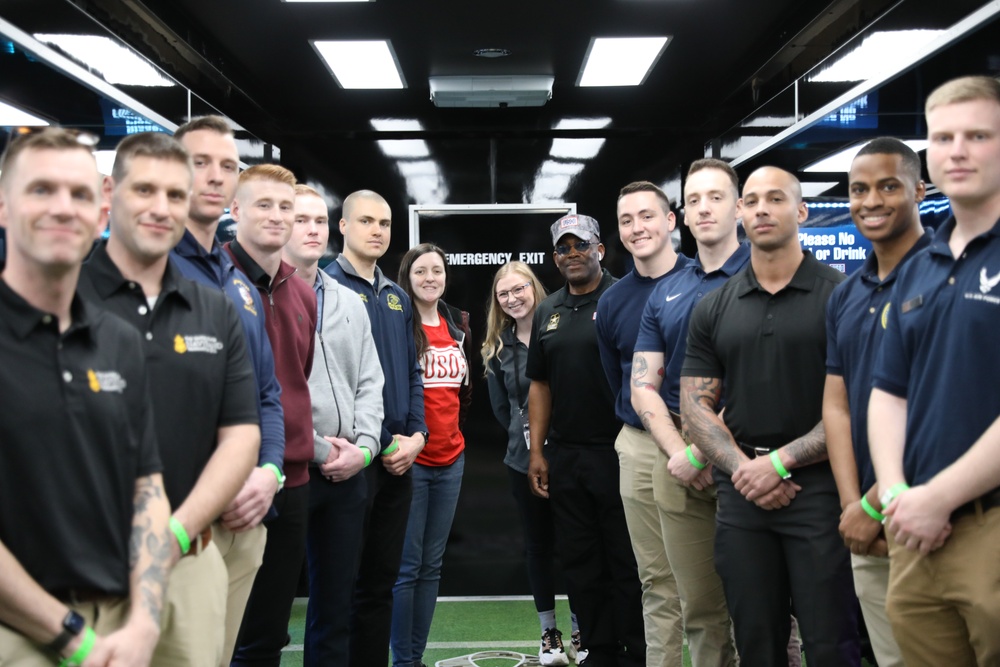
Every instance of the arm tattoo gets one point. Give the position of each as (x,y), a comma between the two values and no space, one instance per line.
(645,417)
(640,368)
(699,399)
(149,552)
(810,448)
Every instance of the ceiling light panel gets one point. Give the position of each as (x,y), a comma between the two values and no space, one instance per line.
(11,116)
(361,64)
(841,160)
(576,149)
(115,63)
(620,61)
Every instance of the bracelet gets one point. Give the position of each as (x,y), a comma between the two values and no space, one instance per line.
(779,467)
(368,456)
(871,511)
(693,460)
(181,534)
(277,473)
(393,446)
(891,494)
(83,650)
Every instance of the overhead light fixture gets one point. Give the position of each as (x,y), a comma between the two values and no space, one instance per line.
(401,148)
(490,91)
(11,116)
(361,64)
(492,53)
(116,63)
(582,123)
(396,124)
(620,61)
(879,53)
(578,149)
(841,160)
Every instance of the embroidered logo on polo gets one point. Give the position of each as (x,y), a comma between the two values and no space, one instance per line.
(198,343)
(110,381)
(393,302)
(364,297)
(986,284)
(885,315)
(673,296)
(246,295)
(553,322)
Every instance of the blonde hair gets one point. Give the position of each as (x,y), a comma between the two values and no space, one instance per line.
(267,172)
(301,190)
(496,319)
(964,89)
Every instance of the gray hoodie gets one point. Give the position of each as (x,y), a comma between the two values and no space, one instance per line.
(346,383)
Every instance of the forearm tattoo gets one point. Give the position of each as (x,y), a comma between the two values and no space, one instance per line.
(810,448)
(699,400)
(149,550)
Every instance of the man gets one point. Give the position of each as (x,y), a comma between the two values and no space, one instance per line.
(346,395)
(933,414)
(264,212)
(682,484)
(77,433)
(758,344)
(201,382)
(366,226)
(571,404)
(240,536)
(645,223)
(885,193)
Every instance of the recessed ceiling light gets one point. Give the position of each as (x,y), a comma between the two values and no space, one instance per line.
(620,61)
(491,53)
(361,64)
(117,64)
(877,54)
(841,160)
(11,116)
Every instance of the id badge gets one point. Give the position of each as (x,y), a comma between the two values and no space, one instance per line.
(526,427)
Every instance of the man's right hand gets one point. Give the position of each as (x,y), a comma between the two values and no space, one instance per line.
(858,529)
(680,467)
(780,496)
(538,476)
(252,502)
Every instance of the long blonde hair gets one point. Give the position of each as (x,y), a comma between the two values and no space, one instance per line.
(496,319)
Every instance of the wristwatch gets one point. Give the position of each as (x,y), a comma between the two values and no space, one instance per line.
(72,626)
(427,436)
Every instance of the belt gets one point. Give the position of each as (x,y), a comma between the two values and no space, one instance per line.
(200,542)
(677,422)
(82,595)
(754,452)
(986,502)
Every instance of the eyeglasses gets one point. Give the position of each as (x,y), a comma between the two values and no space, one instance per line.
(516,292)
(581,246)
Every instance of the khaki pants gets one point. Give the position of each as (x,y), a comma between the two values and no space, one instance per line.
(104,617)
(661,607)
(871,580)
(688,519)
(945,607)
(243,554)
(192,628)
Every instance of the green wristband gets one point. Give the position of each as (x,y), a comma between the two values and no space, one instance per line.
(393,446)
(368,456)
(83,650)
(693,460)
(779,467)
(891,494)
(871,511)
(277,473)
(181,534)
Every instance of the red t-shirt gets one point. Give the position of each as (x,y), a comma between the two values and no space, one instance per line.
(443,368)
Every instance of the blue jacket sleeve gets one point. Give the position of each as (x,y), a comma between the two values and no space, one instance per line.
(272,416)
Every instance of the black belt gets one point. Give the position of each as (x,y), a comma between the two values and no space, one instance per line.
(987,502)
(81,595)
(754,452)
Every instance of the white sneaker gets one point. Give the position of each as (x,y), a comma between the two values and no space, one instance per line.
(551,650)
(575,652)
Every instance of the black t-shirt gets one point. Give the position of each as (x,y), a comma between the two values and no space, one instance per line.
(768,349)
(76,432)
(200,373)
(564,353)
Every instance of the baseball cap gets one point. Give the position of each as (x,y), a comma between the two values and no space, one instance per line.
(582,227)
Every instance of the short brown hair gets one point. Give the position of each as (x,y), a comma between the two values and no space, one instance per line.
(721,165)
(214,123)
(268,172)
(50,138)
(964,89)
(646,186)
(148,144)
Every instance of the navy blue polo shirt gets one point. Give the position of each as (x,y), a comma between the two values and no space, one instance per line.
(940,350)
(665,319)
(617,327)
(854,327)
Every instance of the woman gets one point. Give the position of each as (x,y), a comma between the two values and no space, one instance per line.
(516,292)
(442,337)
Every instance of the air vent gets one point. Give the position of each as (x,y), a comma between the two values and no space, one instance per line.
(491,91)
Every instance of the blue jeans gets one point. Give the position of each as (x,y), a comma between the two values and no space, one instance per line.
(435,497)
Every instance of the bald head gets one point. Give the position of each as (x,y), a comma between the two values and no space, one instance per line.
(367,195)
(776,175)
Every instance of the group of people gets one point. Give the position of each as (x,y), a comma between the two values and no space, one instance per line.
(736,447)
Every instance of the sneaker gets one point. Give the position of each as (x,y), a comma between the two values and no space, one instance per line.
(574,651)
(551,650)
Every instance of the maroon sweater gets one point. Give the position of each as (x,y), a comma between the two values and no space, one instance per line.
(290,307)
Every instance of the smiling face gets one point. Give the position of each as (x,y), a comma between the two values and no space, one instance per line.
(580,267)
(519,306)
(216,170)
(149,207)
(883,196)
(427,278)
(711,206)
(264,211)
(310,232)
(963,156)
(772,209)
(644,226)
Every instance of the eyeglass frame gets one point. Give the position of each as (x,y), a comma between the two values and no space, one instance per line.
(516,292)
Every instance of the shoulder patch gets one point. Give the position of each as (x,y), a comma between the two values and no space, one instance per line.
(246,294)
(393,302)
(553,322)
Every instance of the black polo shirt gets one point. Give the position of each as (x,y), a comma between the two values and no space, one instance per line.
(200,373)
(564,353)
(75,434)
(769,350)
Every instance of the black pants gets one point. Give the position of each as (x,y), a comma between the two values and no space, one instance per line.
(381,551)
(336,527)
(265,622)
(539,540)
(596,553)
(769,559)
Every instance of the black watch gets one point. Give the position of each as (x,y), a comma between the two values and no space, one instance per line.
(72,626)
(427,436)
